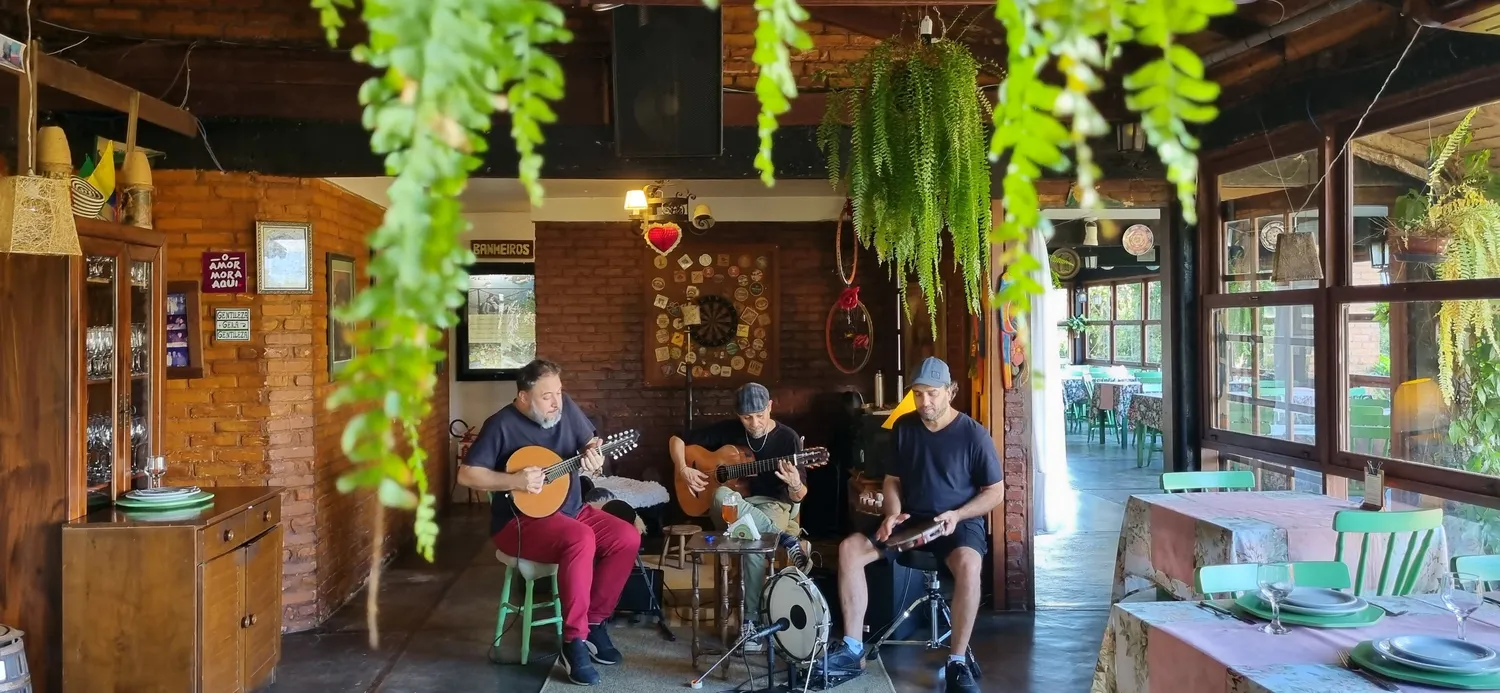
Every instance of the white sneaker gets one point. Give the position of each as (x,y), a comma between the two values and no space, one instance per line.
(752,646)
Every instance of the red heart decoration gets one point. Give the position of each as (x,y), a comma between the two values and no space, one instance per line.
(664,237)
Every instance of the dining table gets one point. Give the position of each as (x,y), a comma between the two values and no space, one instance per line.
(1165,538)
(1182,647)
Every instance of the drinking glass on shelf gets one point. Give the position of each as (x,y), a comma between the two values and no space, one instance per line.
(156,467)
(1462,594)
(1276,583)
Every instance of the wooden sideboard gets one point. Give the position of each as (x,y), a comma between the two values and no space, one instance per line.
(168,602)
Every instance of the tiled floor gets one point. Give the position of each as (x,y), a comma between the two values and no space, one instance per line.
(437,621)
(1085,502)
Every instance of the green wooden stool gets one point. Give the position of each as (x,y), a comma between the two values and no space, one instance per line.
(530,572)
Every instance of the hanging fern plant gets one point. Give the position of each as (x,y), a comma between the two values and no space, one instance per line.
(918,166)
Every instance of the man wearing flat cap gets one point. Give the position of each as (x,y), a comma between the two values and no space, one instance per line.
(771,497)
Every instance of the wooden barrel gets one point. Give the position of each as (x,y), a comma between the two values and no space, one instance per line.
(15,676)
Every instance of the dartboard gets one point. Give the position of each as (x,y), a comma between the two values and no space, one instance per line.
(716,321)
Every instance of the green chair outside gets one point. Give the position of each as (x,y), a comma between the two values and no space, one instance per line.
(1235,578)
(1486,568)
(1390,523)
(1369,430)
(1147,441)
(1208,481)
(530,572)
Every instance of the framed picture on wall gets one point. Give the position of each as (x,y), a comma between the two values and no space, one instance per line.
(283,257)
(496,333)
(340,295)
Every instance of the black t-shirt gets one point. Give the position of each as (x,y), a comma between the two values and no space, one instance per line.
(508,430)
(942,470)
(782,441)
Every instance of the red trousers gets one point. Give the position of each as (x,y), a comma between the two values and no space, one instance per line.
(593,553)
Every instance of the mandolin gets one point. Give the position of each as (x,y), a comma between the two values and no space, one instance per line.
(728,464)
(559,472)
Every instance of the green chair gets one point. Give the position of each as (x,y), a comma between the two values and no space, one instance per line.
(1208,481)
(1390,523)
(1486,568)
(1369,430)
(1147,441)
(530,572)
(1234,578)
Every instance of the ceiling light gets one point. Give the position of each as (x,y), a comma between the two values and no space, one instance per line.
(605,6)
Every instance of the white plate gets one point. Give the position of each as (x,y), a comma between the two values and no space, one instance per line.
(1442,651)
(1384,648)
(1322,599)
(160,497)
(1358,605)
(162,492)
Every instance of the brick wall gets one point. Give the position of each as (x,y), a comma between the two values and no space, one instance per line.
(595,334)
(256,417)
(823,65)
(1016,463)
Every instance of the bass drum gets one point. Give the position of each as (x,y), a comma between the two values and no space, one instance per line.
(791,594)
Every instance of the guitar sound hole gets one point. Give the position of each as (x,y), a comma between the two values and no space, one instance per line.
(723,474)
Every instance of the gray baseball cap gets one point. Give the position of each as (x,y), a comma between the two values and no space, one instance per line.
(933,373)
(751,398)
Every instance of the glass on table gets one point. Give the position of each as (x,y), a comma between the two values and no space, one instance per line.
(1463,594)
(730,510)
(1276,581)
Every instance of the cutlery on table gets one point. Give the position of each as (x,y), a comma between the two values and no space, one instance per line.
(1209,608)
(1221,610)
(1372,677)
(1492,600)
(1392,612)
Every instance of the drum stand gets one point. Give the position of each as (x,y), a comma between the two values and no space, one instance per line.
(816,679)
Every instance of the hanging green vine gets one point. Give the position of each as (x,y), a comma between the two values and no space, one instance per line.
(918,162)
(448,65)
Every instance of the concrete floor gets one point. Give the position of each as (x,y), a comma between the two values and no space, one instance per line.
(437,621)
(1085,502)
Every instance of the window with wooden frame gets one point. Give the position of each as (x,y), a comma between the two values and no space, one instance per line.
(1393,356)
(1123,323)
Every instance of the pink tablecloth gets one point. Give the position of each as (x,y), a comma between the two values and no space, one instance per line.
(1165,538)
(1176,647)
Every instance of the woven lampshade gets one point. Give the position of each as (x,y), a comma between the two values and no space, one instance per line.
(36,217)
(136,171)
(1296,258)
(53,158)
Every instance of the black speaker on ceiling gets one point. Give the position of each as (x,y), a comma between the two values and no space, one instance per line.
(668,89)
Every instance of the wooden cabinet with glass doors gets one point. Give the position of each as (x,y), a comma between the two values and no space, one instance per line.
(119,285)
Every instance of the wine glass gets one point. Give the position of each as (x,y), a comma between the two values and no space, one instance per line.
(156,467)
(1276,582)
(1462,594)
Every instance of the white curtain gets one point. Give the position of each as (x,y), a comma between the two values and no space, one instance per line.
(1050,494)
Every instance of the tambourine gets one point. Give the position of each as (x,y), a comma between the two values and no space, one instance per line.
(915,535)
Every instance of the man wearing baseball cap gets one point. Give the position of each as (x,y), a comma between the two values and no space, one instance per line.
(944,473)
(771,496)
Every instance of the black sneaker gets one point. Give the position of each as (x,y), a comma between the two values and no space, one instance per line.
(794,551)
(575,660)
(601,649)
(959,678)
(842,660)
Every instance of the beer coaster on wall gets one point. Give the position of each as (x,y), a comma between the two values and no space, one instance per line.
(738,282)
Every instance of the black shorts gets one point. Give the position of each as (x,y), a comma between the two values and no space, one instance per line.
(968,533)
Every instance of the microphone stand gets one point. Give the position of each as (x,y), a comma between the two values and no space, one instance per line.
(764,634)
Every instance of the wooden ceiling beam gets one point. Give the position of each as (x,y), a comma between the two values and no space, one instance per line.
(804,3)
(67,77)
(1235,27)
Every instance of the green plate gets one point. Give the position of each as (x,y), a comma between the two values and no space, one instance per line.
(196,499)
(1365,655)
(1368,616)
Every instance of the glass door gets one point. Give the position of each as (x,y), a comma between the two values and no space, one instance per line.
(138,427)
(101,317)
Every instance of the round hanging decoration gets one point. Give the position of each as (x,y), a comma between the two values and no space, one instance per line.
(663,237)
(718,321)
(1138,240)
(1066,263)
(849,335)
(1270,234)
(838,246)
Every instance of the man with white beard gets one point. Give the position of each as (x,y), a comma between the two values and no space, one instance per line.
(593,550)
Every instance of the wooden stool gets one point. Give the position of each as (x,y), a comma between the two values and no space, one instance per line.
(681,533)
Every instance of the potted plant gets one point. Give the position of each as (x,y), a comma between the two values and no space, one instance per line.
(1075,324)
(1457,201)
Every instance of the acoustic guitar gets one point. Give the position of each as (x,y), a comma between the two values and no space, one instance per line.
(559,472)
(729,464)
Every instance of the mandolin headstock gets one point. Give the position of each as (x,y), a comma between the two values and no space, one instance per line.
(617,445)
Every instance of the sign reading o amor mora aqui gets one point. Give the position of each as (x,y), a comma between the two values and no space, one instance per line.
(501,250)
(224,272)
